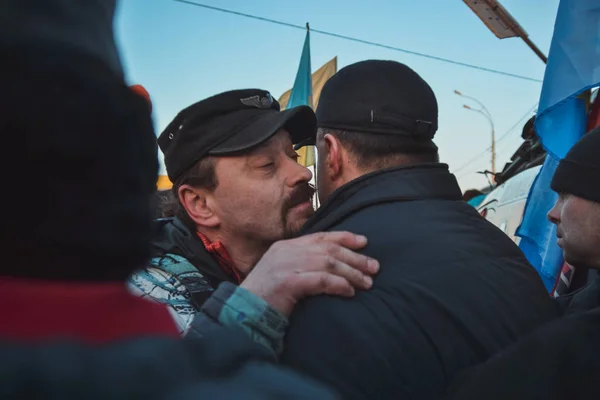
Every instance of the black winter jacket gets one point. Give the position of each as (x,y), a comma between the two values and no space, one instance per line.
(558,361)
(452,291)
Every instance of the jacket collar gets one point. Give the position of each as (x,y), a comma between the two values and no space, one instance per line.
(399,184)
(174,237)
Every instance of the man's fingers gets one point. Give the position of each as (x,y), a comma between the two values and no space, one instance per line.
(342,238)
(321,282)
(354,276)
(355,260)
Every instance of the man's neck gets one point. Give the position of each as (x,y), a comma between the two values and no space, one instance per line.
(244,253)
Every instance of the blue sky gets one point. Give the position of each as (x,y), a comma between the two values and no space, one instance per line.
(182,53)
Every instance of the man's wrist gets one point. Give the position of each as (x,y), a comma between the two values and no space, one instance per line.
(276,302)
(236,306)
(273,318)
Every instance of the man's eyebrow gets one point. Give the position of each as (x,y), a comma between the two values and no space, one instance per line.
(263,149)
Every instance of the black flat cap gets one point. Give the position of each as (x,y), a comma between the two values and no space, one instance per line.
(230,123)
(380,97)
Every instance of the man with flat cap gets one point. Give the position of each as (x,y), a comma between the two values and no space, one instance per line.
(239,189)
(452,289)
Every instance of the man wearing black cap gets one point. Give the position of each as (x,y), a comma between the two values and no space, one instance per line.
(452,289)
(240,189)
(561,360)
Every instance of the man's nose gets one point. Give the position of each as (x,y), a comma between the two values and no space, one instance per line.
(299,174)
(554,214)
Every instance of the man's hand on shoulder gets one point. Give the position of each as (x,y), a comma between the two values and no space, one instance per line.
(320,263)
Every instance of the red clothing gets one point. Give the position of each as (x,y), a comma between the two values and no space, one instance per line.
(218,250)
(594,116)
(32,310)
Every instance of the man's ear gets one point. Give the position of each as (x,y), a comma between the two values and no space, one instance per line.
(335,157)
(197,205)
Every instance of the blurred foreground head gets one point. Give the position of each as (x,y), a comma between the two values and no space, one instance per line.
(79,149)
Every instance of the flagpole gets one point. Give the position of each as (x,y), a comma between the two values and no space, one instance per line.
(316,155)
(302,94)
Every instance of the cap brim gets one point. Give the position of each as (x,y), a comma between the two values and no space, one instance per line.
(300,122)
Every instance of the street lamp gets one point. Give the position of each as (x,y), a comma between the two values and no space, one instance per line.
(483,108)
(485,112)
(501,23)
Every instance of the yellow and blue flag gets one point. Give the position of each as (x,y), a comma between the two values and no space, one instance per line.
(301,95)
(302,91)
(306,91)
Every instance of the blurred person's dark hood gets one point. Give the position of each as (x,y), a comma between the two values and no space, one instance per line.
(85,26)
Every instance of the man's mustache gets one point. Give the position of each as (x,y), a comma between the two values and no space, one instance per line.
(301,194)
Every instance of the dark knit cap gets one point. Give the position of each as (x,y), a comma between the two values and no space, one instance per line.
(86,27)
(80,159)
(579,172)
(380,97)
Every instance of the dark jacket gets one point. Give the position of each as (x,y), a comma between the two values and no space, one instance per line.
(558,361)
(193,266)
(194,286)
(224,365)
(173,237)
(584,299)
(452,290)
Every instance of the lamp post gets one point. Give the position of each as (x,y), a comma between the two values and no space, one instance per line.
(502,23)
(485,112)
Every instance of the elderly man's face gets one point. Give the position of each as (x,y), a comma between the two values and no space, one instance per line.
(577,223)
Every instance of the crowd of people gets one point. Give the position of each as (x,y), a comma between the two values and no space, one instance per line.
(395,288)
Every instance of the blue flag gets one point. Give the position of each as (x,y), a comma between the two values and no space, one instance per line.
(302,90)
(573,68)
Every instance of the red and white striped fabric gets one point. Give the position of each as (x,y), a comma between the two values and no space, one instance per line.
(564,280)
